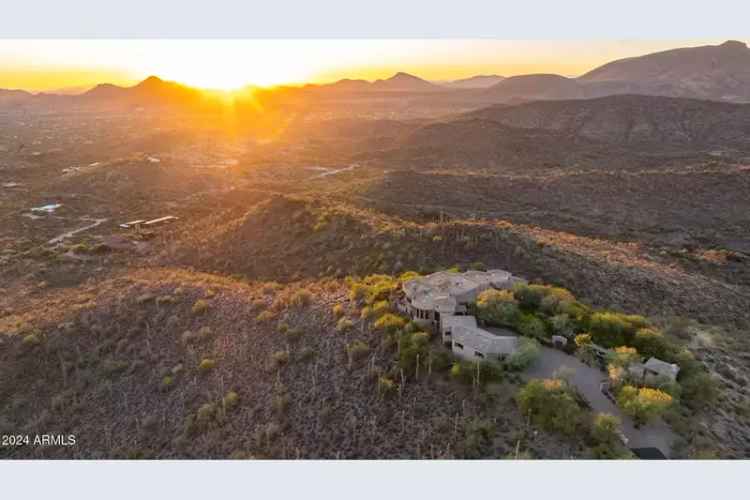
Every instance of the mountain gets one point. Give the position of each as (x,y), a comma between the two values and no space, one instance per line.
(151,91)
(624,130)
(720,72)
(400,82)
(474,82)
(536,86)
(14,97)
(632,119)
(404,82)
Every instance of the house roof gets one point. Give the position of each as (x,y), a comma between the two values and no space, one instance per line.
(443,290)
(662,367)
(484,341)
(451,321)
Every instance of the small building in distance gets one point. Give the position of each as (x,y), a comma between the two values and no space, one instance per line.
(441,302)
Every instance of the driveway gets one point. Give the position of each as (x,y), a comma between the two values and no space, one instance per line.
(588,381)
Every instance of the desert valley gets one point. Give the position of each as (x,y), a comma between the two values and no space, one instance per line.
(188,274)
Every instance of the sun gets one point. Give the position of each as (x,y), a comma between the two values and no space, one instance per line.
(223,65)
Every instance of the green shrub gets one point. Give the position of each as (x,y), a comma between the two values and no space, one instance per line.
(205,414)
(531,326)
(474,372)
(526,353)
(413,346)
(605,429)
(562,325)
(498,307)
(699,389)
(357,350)
(32,339)
(551,404)
(167,382)
(652,343)
(344,325)
(529,297)
(230,400)
(610,329)
(206,365)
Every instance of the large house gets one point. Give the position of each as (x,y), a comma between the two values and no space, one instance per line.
(441,301)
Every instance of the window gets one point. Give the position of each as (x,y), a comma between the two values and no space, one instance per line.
(456,344)
(478,354)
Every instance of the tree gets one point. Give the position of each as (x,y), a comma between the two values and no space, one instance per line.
(498,307)
(390,323)
(643,404)
(526,353)
(699,389)
(531,326)
(651,343)
(623,357)
(606,429)
(550,404)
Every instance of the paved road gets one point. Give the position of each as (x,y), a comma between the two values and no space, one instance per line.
(588,380)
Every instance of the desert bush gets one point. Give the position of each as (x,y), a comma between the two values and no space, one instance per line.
(338,311)
(386,387)
(230,400)
(605,429)
(380,308)
(643,404)
(373,288)
(527,352)
(562,325)
(200,307)
(412,348)
(205,414)
(389,323)
(301,298)
(623,357)
(610,329)
(498,307)
(531,326)
(551,404)
(31,340)
(605,434)
(652,343)
(280,403)
(344,325)
(280,358)
(699,389)
(474,372)
(264,316)
(528,296)
(167,382)
(357,350)
(206,365)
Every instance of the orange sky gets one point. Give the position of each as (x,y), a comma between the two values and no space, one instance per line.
(45,65)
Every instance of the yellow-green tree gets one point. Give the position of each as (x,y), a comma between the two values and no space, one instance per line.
(644,403)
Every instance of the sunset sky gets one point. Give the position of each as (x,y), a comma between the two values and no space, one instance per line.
(73,65)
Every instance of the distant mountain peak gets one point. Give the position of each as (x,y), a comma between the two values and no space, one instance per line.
(150,81)
(734,44)
(403,76)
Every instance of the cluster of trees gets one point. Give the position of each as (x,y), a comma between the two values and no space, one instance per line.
(540,311)
(551,404)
